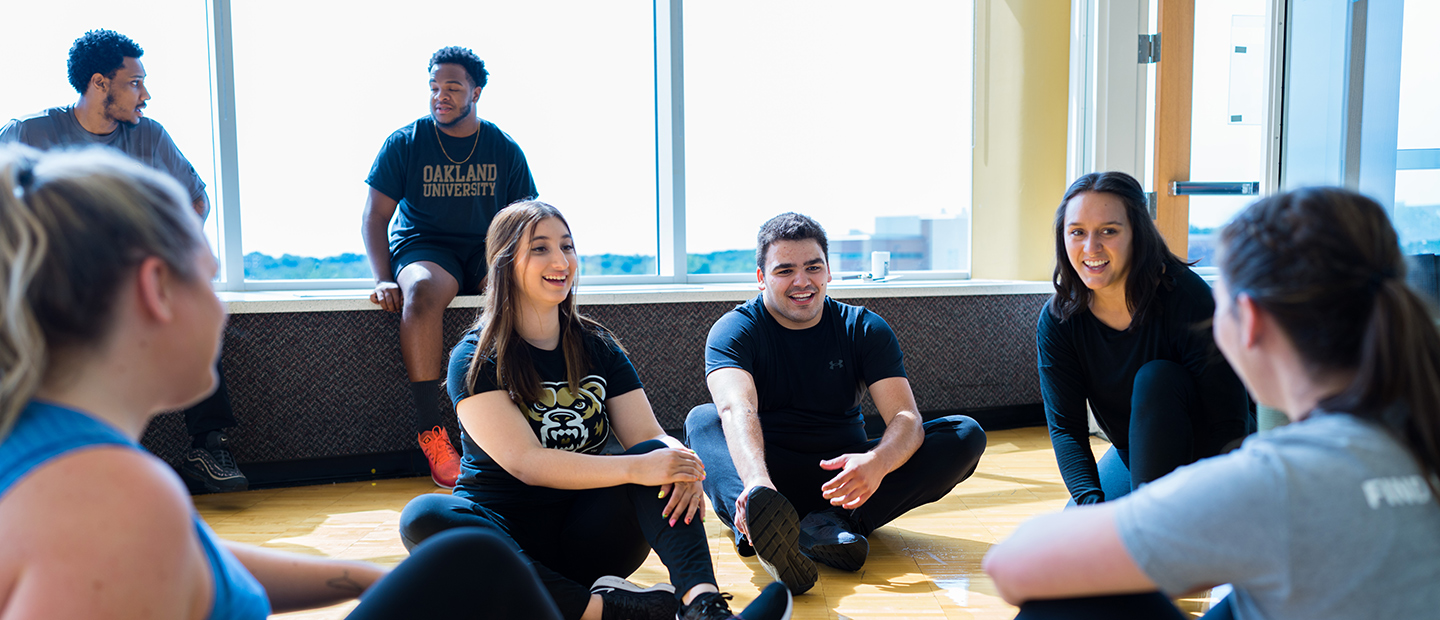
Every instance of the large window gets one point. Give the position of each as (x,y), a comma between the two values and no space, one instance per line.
(854,113)
(1417,175)
(572,82)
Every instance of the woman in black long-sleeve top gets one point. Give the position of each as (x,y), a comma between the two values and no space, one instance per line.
(1128,331)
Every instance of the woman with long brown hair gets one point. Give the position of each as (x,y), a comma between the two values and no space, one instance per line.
(107,318)
(1124,333)
(540,390)
(1332,516)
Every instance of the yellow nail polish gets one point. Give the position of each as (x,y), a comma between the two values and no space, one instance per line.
(662,494)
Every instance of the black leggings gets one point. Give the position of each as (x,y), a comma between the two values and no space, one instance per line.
(578,538)
(949,454)
(460,573)
(213,413)
(1163,405)
(1150,606)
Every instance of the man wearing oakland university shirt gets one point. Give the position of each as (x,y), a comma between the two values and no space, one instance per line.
(789,466)
(442,179)
(104,67)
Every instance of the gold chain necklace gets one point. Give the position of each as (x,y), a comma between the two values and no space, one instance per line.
(442,144)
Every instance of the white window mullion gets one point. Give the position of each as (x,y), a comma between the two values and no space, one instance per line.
(227,168)
(670,139)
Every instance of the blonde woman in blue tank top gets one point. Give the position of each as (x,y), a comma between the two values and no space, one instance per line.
(107,318)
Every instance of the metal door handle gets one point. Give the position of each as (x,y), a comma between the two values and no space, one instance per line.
(1196,188)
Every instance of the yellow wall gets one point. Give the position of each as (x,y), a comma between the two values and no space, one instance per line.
(1022,55)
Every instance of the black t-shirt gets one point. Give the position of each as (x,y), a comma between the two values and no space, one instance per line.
(809,381)
(439,199)
(560,420)
(1082,358)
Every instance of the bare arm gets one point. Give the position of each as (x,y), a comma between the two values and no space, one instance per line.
(374,229)
(860,474)
(498,426)
(738,404)
(294,581)
(1077,552)
(129,550)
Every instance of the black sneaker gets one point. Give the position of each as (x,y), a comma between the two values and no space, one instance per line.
(774,532)
(707,606)
(742,546)
(212,468)
(774,603)
(626,601)
(829,537)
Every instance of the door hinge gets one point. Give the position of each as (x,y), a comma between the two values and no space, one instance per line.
(1150,204)
(1149,49)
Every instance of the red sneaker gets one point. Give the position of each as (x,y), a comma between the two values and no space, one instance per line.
(444,462)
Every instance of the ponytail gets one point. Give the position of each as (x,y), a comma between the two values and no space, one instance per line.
(22,245)
(1326,264)
(1397,382)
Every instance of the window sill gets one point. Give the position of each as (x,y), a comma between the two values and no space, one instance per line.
(341,300)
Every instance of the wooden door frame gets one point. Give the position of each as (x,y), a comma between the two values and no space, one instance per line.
(1173,90)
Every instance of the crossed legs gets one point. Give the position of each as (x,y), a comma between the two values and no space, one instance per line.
(949,454)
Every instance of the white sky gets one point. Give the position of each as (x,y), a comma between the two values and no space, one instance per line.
(843,110)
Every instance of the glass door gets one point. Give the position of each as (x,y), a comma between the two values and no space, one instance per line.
(1227,137)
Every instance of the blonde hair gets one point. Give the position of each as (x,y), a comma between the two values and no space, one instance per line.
(73,225)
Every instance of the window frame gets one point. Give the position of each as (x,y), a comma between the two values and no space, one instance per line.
(671,254)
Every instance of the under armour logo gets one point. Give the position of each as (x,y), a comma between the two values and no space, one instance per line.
(837,364)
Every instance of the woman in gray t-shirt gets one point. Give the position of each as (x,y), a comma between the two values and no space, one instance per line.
(1334,516)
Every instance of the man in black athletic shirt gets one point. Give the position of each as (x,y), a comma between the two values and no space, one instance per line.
(785,439)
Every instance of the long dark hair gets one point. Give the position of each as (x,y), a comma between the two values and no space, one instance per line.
(1151,261)
(499,340)
(1326,264)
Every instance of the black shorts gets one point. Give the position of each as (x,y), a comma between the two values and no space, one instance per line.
(464,261)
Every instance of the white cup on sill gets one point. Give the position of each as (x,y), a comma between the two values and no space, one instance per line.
(879,265)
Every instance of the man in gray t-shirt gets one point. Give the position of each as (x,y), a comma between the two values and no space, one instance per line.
(1271,532)
(104,67)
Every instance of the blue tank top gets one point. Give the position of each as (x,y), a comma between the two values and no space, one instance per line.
(44,431)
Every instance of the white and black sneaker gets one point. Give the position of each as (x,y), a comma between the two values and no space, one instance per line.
(775,534)
(774,603)
(211,467)
(626,601)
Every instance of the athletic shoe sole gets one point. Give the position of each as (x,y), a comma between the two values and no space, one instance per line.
(197,484)
(775,535)
(847,557)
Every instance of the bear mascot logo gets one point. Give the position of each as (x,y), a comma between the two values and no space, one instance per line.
(574,422)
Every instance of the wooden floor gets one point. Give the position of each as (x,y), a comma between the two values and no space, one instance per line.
(924,565)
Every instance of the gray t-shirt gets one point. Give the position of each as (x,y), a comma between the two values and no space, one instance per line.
(1326,518)
(145,141)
